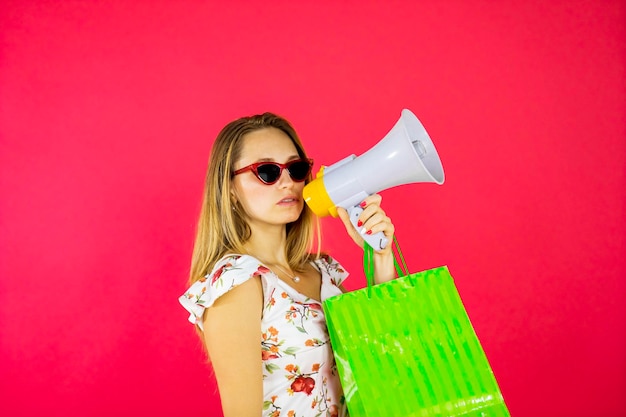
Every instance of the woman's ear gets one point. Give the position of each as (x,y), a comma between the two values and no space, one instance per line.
(233,198)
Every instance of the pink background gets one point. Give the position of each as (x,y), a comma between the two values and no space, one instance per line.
(107,113)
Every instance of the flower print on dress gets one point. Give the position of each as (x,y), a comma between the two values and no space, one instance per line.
(271,301)
(197,296)
(271,404)
(299,313)
(270,344)
(314,342)
(228,266)
(271,349)
(262,269)
(324,403)
(302,382)
(334,269)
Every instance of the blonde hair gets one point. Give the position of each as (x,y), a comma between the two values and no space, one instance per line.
(222,227)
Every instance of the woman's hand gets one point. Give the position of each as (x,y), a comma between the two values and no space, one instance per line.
(373,219)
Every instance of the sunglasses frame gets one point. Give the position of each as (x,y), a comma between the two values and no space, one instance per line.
(254,168)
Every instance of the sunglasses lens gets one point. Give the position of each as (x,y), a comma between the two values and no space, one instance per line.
(268,173)
(299,170)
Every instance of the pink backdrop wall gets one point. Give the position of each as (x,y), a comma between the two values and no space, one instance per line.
(107,113)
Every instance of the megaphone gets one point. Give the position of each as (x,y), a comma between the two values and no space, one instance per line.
(405,155)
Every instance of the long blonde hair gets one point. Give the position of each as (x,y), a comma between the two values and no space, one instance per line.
(222,227)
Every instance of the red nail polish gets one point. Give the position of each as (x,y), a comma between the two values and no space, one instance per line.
(369,232)
(359,223)
(363,204)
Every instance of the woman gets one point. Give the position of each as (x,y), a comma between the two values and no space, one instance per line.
(256,286)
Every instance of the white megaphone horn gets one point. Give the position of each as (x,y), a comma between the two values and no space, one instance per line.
(405,155)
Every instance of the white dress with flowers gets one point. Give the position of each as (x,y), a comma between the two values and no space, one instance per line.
(299,374)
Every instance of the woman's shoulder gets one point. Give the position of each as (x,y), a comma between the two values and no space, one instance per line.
(327,261)
(232,270)
(329,265)
(234,264)
(229,272)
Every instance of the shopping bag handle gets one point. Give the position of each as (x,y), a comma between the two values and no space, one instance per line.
(368,261)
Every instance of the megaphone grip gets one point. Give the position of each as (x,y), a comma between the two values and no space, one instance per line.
(378,241)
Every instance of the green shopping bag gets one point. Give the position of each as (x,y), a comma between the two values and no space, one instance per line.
(407,348)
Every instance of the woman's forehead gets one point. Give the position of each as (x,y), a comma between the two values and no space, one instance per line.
(267,144)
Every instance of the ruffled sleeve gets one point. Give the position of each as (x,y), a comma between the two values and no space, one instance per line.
(229,272)
(335,271)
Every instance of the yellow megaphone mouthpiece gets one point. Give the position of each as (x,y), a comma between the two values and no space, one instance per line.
(316,197)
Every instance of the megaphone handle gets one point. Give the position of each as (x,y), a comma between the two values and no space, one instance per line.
(378,241)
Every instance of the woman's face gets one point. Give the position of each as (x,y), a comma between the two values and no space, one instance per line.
(268,205)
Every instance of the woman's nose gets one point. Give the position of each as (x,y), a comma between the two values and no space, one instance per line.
(285,178)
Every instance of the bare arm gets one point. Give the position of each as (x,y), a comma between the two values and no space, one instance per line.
(232,333)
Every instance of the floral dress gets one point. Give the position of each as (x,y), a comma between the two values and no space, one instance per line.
(299,373)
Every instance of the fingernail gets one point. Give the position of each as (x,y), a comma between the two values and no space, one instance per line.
(363,204)
(359,223)
(369,232)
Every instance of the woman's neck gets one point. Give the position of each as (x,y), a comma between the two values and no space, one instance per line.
(268,245)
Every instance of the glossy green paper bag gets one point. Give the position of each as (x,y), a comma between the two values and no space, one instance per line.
(407,348)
